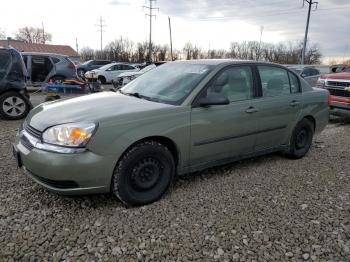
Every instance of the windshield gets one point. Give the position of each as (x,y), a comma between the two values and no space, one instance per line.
(86,62)
(147,68)
(170,83)
(105,67)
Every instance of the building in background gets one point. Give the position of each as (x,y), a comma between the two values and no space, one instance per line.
(42,48)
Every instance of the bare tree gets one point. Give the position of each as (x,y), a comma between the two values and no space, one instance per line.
(87,53)
(33,35)
(2,34)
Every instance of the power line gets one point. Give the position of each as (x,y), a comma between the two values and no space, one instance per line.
(100,26)
(151,15)
(310,3)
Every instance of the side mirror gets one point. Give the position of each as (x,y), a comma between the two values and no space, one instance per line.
(213,99)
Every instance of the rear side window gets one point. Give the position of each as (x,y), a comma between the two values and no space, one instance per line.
(274,81)
(294,83)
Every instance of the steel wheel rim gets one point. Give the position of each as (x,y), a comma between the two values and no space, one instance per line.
(146,174)
(301,139)
(14,106)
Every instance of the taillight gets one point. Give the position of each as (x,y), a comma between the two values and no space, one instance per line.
(71,65)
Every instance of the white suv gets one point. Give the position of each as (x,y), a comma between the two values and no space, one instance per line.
(110,72)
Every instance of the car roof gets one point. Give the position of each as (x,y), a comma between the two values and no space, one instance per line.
(43,54)
(217,62)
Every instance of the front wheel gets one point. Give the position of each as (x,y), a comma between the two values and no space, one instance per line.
(143,174)
(301,139)
(13,106)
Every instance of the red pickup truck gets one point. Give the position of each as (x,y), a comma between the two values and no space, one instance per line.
(338,86)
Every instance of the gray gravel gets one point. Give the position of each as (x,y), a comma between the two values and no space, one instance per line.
(263,209)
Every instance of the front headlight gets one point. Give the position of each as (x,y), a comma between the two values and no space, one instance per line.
(321,82)
(70,135)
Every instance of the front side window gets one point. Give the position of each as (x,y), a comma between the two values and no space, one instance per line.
(235,83)
(170,83)
(274,81)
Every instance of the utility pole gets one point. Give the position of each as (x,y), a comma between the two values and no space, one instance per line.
(101,24)
(76,44)
(261,32)
(171,41)
(151,15)
(44,40)
(307,27)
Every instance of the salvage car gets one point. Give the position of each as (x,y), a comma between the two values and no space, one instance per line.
(110,72)
(181,117)
(127,77)
(338,86)
(91,65)
(43,67)
(14,98)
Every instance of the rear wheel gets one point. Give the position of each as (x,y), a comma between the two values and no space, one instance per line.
(143,174)
(301,139)
(13,106)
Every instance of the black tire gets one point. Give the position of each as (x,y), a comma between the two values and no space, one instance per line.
(81,73)
(13,106)
(143,174)
(102,79)
(301,139)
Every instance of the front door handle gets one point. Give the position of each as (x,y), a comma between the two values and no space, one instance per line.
(251,110)
(294,103)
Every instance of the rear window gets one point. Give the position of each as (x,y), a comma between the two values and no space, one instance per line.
(55,60)
(5,59)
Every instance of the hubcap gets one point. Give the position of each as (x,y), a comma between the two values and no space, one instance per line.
(14,106)
(301,139)
(146,174)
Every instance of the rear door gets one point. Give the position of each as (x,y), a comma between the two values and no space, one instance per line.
(277,108)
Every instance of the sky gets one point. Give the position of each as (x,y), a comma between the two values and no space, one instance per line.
(205,23)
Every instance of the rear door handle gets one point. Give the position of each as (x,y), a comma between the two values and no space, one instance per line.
(294,103)
(251,110)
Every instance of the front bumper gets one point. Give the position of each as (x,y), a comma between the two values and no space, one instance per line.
(340,106)
(69,174)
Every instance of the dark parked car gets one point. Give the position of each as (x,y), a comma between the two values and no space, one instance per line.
(91,65)
(14,100)
(42,67)
(310,74)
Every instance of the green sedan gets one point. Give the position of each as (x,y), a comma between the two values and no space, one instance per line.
(179,118)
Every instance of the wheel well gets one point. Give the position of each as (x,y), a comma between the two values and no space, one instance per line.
(312,119)
(167,142)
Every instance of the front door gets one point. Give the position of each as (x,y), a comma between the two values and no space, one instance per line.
(224,131)
(277,109)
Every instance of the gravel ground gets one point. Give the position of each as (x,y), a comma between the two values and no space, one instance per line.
(263,209)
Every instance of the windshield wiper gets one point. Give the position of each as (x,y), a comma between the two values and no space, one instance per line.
(137,95)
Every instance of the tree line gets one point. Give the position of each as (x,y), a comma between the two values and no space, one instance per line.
(125,50)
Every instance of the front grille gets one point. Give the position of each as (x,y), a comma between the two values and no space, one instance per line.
(338,84)
(26,143)
(32,131)
(339,92)
(63,184)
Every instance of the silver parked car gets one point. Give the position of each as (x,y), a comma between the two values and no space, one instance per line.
(42,67)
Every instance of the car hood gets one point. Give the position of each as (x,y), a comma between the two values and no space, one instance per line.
(90,108)
(344,76)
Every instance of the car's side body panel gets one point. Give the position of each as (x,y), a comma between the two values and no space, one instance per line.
(203,137)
